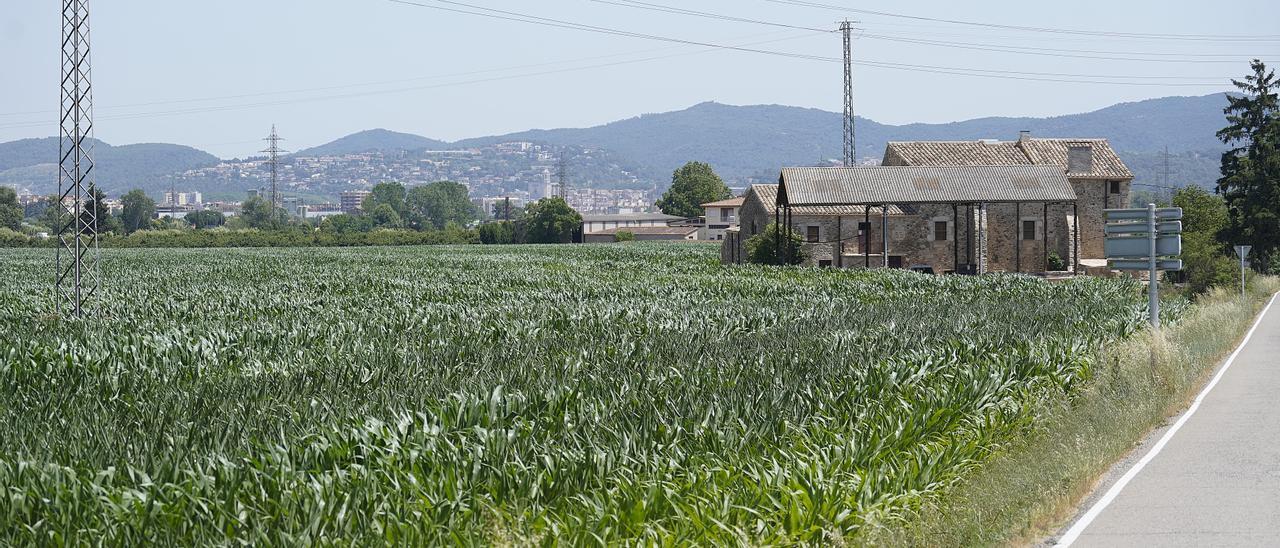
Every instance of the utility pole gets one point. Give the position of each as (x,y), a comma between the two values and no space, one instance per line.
(76,264)
(563,177)
(850,144)
(1167,188)
(273,161)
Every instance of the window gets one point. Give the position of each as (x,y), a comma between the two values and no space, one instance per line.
(1030,229)
(941,230)
(726,214)
(824,263)
(813,234)
(1115,187)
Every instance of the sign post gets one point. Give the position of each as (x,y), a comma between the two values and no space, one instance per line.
(1145,239)
(1243,252)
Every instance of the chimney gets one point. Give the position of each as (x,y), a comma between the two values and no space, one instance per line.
(1080,159)
(1024,136)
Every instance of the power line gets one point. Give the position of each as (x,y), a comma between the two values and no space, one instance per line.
(1045,52)
(200,110)
(682,11)
(1025,50)
(547,21)
(1080,32)
(1061,78)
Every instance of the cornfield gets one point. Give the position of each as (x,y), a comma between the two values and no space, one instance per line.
(515,395)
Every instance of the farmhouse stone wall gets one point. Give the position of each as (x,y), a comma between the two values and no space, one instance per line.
(912,236)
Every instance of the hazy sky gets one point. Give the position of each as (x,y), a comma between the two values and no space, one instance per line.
(216,75)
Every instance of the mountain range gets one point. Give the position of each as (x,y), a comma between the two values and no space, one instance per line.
(741,142)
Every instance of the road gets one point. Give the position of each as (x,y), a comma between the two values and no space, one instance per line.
(1213,478)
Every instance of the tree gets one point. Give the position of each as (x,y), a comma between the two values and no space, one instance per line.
(1250,182)
(54,215)
(438,204)
(766,247)
(1206,261)
(499,233)
(345,224)
(138,211)
(11,214)
(691,186)
(258,212)
(205,219)
(384,216)
(97,210)
(500,212)
(550,221)
(391,194)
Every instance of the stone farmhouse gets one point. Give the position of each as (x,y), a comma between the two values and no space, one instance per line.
(954,206)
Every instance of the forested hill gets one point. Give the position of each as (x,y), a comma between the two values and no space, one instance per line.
(31,162)
(742,141)
(374,140)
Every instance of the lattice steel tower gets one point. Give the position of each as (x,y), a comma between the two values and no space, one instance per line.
(562,170)
(76,277)
(273,161)
(850,150)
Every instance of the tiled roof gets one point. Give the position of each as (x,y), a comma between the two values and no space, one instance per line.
(731,202)
(957,153)
(768,195)
(813,186)
(1106,164)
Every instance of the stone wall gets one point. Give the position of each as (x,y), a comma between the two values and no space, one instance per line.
(912,236)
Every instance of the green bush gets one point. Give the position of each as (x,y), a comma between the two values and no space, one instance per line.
(764,248)
(624,236)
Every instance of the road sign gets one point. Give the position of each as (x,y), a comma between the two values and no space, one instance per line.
(1167,227)
(1145,239)
(1243,252)
(1140,247)
(1163,214)
(1144,264)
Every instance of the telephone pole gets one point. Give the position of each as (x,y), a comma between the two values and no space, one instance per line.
(76,266)
(850,148)
(273,161)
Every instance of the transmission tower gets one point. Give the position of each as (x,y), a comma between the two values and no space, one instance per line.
(562,175)
(273,161)
(850,150)
(76,276)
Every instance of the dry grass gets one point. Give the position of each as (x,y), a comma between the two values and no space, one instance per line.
(1032,488)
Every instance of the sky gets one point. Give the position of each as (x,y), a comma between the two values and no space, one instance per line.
(218,75)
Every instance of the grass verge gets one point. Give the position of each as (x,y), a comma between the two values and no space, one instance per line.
(1031,488)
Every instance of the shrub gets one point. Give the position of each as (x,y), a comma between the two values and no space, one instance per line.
(764,248)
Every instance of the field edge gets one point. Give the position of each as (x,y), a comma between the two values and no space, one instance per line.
(1032,489)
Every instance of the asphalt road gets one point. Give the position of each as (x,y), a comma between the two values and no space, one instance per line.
(1215,481)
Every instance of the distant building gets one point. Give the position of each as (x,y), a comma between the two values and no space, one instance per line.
(597,223)
(352,200)
(184,198)
(719,217)
(644,233)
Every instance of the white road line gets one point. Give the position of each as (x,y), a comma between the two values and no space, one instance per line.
(1083,523)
